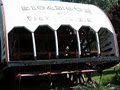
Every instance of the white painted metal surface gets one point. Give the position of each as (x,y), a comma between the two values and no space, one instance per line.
(32,13)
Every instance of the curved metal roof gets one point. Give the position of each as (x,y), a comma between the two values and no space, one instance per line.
(32,13)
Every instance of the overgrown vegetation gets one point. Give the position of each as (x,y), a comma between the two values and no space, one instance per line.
(110,76)
(110,80)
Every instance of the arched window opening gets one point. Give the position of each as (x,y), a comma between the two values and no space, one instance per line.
(20,44)
(67,42)
(45,43)
(88,42)
(107,42)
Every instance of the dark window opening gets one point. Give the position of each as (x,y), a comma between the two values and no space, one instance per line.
(106,39)
(67,42)
(20,44)
(88,42)
(45,43)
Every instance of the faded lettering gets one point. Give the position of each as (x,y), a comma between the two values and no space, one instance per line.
(40,7)
(62,8)
(25,8)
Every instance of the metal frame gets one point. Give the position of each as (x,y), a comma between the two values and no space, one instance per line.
(98,44)
(56,44)
(61,61)
(79,46)
(34,46)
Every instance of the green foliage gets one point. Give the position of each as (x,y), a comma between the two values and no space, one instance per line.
(110,78)
(111,75)
(116,78)
(100,88)
(103,4)
(107,79)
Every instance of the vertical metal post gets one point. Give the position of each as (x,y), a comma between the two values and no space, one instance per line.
(98,44)
(79,46)
(56,43)
(34,46)
(7,56)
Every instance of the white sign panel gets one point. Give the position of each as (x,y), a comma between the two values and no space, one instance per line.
(32,13)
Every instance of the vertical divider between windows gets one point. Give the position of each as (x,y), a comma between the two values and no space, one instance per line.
(78,42)
(98,44)
(34,46)
(56,43)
